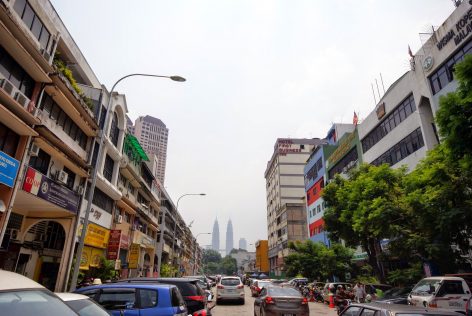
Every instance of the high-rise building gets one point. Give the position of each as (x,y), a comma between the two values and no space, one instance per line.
(229,237)
(285,194)
(215,236)
(152,134)
(243,243)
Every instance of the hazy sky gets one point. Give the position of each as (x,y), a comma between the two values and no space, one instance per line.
(256,70)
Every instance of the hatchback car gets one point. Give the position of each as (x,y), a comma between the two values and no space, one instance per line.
(194,296)
(230,289)
(137,299)
(82,305)
(275,301)
(258,285)
(22,296)
(379,309)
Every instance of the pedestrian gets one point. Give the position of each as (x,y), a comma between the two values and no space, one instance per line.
(359,292)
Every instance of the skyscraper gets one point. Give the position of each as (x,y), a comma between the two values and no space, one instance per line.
(243,243)
(215,237)
(229,237)
(152,134)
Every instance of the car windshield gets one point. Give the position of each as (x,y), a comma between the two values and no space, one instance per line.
(36,302)
(426,286)
(230,282)
(87,308)
(262,284)
(283,291)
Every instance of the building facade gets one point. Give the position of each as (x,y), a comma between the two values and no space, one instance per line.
(153,135)
(285,197)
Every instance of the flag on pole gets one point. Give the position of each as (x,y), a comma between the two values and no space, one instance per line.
(409,52)
(355,118)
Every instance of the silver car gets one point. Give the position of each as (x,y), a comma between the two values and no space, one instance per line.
(230,289)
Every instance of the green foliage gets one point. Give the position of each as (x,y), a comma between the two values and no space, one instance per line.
(210,255)
(229,265)
(403,277)
(167,270)
(62,67)
(316,261)
(366,209)
(106,270)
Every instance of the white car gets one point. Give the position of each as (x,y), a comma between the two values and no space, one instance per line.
(22,296)
(230,289)
(82,305)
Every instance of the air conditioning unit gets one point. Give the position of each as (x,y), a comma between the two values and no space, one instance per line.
(119,219)
(21,99)
(144,206)
(7,86)
(344,170)
(80,190)
(62,176)
(34,152)
(14,234)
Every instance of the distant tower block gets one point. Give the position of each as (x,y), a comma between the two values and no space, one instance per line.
(215,237)
(229,237)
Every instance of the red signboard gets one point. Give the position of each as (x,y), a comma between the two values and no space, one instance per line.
(114,244)
(124,241)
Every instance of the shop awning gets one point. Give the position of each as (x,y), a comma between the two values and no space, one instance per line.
(133,147)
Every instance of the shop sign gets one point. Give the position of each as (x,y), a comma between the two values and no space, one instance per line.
(124,241)
(45,188)
(85,259)
(380,110)
(114,244)
(133,256)
(97,236)
(461,31)
(343,148)
(8,169)
(147,241)
(97,254)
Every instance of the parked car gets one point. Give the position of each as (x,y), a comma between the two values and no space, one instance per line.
(379,309)
(82,304)
(194,296)
(230,288)
(295,282)
(143,299)
(22,296)
(203,279)
(396,295)
(257,286)
(332,287)
(450,293)
(275,300)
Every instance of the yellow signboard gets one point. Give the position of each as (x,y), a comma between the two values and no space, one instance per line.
(85,260)
(95,259)
(133,256)
(97,236)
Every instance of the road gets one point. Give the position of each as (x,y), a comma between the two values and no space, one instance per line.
(234,309)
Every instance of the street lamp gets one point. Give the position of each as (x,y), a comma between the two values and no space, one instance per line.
(95,171)
(175,219)
(195,252)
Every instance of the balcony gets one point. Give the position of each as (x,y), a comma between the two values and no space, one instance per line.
(17,102)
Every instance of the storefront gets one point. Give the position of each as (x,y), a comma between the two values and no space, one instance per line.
(96,242)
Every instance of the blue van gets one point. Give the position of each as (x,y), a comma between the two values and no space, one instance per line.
(130,299)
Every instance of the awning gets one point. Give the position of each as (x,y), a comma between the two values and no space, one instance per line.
(133,147)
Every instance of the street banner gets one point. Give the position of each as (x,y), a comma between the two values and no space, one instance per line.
(114,244)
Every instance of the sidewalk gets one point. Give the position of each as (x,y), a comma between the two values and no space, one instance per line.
(321,309)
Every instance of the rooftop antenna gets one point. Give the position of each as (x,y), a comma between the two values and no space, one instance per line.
(373,93)
(381,79)
(378,91)
(457,2)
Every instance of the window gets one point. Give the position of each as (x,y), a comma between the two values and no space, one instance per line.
(33,22)
(338,168)
(8,140)
(398,115)
(101,200)
(40,162)
(114,130)
(108,168)
(442,76)
(369,312)
(352,311)
(70,178)
(402,149)
(451,287)
(117,298)
(12,71)
(103,113)
(148,298)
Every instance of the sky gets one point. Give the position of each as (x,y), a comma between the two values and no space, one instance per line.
(256,70)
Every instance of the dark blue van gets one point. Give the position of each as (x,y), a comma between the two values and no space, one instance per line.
(130,299)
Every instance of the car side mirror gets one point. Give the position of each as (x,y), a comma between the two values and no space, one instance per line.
(432,289)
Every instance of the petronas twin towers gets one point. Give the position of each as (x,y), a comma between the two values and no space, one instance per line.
(215,239)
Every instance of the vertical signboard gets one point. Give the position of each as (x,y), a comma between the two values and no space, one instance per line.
(8,169)
(133,258)
(114,244)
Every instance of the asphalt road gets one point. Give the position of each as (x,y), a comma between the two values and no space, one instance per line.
(235,309)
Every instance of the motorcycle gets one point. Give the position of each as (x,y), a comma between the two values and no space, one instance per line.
(341,305)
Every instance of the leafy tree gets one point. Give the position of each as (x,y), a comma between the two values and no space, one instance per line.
(212,268)
(366,208)
(316,261)
(229,265)
(210,255)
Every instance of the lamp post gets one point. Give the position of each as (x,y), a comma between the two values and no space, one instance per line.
(175,219)
(101,144)
(195,252)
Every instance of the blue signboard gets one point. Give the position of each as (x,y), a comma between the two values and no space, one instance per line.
(8,169)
